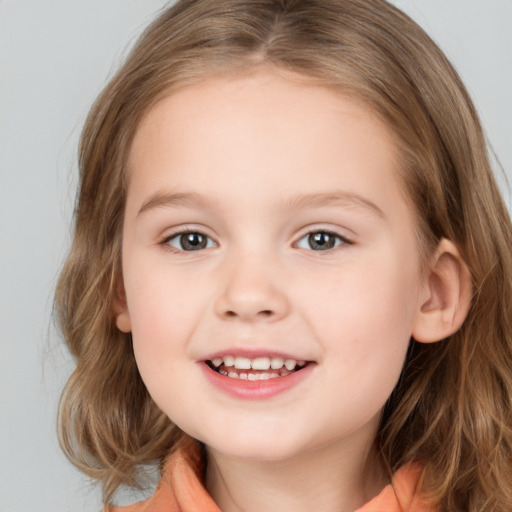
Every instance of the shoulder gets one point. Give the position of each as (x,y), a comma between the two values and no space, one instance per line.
(136,507)
(403,494)
(181,486)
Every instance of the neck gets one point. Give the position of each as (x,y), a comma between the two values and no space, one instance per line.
(331,479)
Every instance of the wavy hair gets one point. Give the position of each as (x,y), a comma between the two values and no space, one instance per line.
(452,407)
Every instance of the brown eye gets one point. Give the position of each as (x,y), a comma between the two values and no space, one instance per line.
(320,241)
(190,241)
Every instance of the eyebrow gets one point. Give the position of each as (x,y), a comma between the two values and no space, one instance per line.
(170,200)
(314,200)
(336,198)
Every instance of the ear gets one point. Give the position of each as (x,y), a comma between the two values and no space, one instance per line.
(121,314)
(447,297)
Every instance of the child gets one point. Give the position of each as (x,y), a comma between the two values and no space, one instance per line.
(291,280)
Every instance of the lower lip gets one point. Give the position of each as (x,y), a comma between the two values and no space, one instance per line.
(256,389)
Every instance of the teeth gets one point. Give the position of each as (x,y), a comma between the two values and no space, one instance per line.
(258,363)
(290,364)
(253,376)
(276,363)
(242,363)
(229,360)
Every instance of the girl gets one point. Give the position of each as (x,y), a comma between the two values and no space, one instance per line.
(290,282)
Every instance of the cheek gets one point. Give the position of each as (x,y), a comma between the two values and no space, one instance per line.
(163,314)
(163,321)
(366,311)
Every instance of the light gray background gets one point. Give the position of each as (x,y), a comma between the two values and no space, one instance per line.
(55,56)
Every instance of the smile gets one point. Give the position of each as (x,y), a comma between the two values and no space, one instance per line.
(259,368)
(256,377)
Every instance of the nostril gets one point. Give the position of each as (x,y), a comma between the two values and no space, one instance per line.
(265,313)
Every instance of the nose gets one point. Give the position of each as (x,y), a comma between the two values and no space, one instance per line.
(251,292)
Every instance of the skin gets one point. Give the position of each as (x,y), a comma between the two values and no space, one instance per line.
(249,148)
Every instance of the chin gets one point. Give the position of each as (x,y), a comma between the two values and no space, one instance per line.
(255,446)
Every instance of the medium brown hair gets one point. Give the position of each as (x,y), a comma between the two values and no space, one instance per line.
(452,407)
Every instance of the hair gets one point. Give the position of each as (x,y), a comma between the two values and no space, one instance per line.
(452,407)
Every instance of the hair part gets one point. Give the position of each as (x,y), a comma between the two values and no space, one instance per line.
(452,407)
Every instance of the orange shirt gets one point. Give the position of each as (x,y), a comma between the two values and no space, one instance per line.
(181,489)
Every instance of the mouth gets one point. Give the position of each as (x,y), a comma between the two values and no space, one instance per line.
(255,369)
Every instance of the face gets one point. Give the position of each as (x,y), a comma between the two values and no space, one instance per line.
(270,265)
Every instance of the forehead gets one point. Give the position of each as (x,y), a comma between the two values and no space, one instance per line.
(260,131)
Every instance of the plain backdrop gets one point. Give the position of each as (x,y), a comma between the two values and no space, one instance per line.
(55,56)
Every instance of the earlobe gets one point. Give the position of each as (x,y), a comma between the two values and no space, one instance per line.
(446,302)
(123,322)
(121,314)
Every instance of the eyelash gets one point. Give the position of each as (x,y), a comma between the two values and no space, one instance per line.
(339,240)
(166,241)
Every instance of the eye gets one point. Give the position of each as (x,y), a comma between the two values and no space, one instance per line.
(190,241)
(321,241)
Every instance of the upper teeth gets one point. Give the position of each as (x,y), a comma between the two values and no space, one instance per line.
(258,363)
